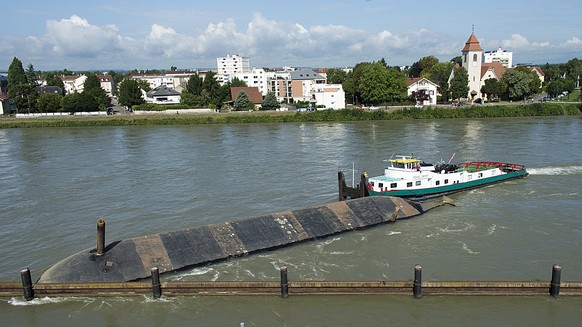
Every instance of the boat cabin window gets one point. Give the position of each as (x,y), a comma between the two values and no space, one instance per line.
(409,184)
(380,185)
(480,175)
(438,183)
(446,181)
(417,183)
(393,185)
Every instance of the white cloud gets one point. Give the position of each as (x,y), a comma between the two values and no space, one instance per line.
(76,37)
(78,43)
(574,41)
(518,42)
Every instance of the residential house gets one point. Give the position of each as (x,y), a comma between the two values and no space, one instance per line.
(253,93)
(423,89)
(73,83)
(174,80)
(106,81)
(4,104)
(329,96)
(162,95)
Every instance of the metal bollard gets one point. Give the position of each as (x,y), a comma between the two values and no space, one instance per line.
(156,286)
(100,236)
(417,284)
(555,284)
(27,284)
(284,283)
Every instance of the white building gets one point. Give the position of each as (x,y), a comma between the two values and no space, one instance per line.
(174,80)
(257,77)
(74,83)
(427,88)
(502,56)
(471,58)
(162,95)
(233,64)
(330,96)
(478,71)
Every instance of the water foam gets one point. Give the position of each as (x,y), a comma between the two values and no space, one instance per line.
(552,171)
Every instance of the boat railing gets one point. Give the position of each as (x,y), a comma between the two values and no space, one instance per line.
(474,166)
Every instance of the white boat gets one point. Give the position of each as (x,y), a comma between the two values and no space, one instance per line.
(408,176)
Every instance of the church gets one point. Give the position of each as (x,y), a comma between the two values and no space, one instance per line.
(472,61)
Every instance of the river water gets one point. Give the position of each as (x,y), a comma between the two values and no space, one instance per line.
(56,183)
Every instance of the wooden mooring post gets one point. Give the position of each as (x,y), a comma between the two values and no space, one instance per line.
(555,287)
(100,236)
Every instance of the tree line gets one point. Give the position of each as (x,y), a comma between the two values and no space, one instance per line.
(376,83)
(23,90)
(368,83)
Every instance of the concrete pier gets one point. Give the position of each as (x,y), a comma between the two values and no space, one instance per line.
(133,259)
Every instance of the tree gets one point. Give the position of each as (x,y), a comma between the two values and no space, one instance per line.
(50,102)
(130,93)
(518,84)
(440,74)
(53,80)
(242,101)
(211,85)
(460,84)
(270,102)
(491,87)
(336,76)
(374,84)
(79,102)
(235,82)
(92,86)
(194,85)
(20,91)
(31,76)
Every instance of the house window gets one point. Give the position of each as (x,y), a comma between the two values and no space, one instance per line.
(409,184)
(475,57)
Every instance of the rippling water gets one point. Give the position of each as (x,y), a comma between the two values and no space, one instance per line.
(56,183)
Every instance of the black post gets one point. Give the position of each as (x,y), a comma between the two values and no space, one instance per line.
(555,284)
(417,284)
(100,236)
(341,183)
(363,187)
(27,284)
(156,286)
(284,283)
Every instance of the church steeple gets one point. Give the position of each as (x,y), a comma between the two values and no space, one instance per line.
(472,58)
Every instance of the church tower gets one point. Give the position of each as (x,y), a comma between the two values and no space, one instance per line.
(472,57)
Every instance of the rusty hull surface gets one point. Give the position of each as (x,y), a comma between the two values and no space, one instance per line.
(132,259)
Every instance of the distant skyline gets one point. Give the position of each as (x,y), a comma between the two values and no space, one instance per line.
(126,35)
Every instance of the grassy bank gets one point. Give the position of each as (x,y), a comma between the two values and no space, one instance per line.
(537,109)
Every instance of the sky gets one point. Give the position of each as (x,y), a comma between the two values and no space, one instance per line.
(125,35)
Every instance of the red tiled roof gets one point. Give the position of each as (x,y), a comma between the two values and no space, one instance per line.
(252,92)
(472,44)
(497,68)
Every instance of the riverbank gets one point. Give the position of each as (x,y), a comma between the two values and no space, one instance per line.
(475,111)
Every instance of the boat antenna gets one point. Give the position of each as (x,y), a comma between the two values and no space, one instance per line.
(451,158)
